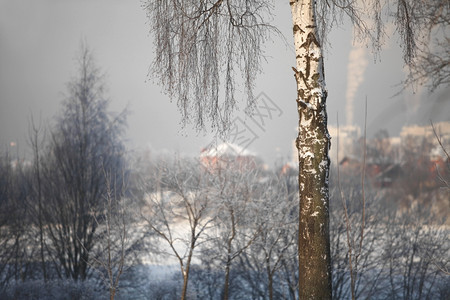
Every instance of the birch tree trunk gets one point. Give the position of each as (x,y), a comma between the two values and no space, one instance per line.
(313,143)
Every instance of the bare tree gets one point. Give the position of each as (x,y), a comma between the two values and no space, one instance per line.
(416,180)
(200,44)
(265,269)
(357,265)
(277,222)
(5,237)
(234,192)
(442,178)
(114,236)
(180,215)
(86,139)
(429,22)
(16,233)
(36,141)
(379,148)
(415,240)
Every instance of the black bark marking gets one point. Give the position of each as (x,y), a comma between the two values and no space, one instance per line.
(310,39)
(302,104)
(299,75)
(308,67)
(297,28)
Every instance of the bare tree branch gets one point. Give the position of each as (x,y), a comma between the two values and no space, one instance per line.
(202,44)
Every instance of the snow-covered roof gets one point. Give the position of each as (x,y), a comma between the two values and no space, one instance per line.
(225,149)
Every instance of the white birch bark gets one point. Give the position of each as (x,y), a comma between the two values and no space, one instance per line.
(313,143)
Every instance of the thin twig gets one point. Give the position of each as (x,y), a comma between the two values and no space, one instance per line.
(347,220)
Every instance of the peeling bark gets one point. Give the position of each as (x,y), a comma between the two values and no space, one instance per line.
(313,143)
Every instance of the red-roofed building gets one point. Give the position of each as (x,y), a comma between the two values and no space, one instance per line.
(227,155)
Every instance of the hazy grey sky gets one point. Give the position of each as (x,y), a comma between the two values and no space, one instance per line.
(39,40)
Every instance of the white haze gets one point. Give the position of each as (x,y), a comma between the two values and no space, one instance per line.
(357,64)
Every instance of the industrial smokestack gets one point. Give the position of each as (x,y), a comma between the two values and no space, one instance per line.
(357,63)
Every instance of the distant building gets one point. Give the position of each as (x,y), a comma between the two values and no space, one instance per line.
(228,155)
(418,133)
(442,129)
(432,162)
(380,175)
(343,139)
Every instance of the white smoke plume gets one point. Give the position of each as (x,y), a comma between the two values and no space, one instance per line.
(357,63)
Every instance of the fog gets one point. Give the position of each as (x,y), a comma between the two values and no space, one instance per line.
(40,39)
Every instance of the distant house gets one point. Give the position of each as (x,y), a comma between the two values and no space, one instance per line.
(385,175)
(350,164)
(227,155)
(381,175)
